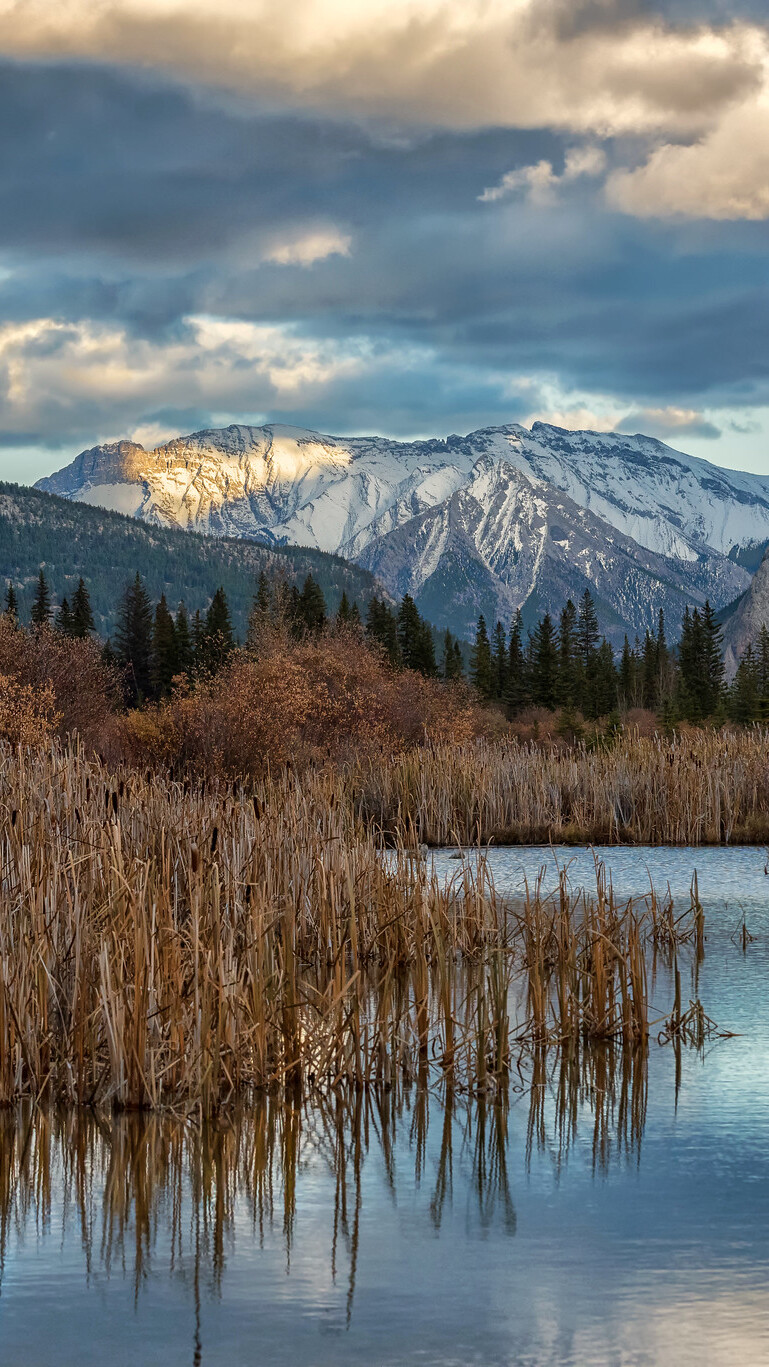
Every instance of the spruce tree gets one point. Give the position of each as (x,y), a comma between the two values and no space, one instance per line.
(650,672)
(568,686)
(312,607)
(744,701)
(409,632)
(627,676)
(343,611)
(133,641)
(82,616)
(712,660)
(218,641)
(382,627)
(516,693)
(63,620)
(184,650)
(481,665)
(165,659)
(588,636)
(11,603)
(41,607)
(544,664)
(500,661)
(604,690)
(451,661)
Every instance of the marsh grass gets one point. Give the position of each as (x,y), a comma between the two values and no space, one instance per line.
(169,943)
(695,788)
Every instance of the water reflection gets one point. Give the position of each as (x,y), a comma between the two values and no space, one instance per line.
(143,1186)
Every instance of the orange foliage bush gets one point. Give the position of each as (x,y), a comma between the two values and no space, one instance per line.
(27,714)
(83,689)
(327,698)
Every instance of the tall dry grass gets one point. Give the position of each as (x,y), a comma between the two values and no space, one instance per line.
(169,942)
(696,788)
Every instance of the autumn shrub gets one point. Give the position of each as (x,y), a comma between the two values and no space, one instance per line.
(28,714)
(326,698)
(83,689)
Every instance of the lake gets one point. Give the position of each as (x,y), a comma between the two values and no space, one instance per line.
(607,1213)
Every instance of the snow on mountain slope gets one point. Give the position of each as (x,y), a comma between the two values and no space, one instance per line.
(352,495)
(503,541)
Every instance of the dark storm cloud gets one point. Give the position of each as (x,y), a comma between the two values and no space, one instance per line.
(133,205)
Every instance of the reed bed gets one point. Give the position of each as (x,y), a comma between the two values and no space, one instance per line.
(696,788)
(164,943)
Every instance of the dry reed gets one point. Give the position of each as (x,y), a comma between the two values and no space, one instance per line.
(169,943)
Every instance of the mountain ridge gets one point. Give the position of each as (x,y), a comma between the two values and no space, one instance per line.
(672,524)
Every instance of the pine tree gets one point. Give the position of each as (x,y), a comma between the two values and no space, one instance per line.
(544,664)
(82,616)
(604,690)
(343,611)
(41,606)
(568,685)
(650,672)
(516,693)
(627,676)
(500,661)
(165,658)
(312,607)
(451,662)
(409,632)
(481,665)
(218,641)
(133,641)
(382,627)
(355,620)
(184,649)
(11,603)
(198,639)
(64,619)
(744,701)
(713,661)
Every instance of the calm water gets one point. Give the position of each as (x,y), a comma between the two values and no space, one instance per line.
(598,1218)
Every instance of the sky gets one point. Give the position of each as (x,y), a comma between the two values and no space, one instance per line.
(409,217)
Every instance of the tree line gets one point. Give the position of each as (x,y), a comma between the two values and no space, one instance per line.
(567,666)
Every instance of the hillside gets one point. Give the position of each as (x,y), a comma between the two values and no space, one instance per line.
(66,540)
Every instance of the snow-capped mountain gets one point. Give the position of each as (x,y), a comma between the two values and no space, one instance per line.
(504,517)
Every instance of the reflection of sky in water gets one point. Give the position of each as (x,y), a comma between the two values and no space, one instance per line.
(659,1258)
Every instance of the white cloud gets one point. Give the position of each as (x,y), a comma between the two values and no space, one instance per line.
(724,175)
(460,63)
(56,376)
(541,182)
(309,248)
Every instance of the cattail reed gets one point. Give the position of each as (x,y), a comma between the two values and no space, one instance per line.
(208,942)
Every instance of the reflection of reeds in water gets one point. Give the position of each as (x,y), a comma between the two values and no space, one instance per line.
(607,1082)
(162,944)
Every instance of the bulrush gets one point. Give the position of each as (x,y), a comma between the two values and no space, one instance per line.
(164,943)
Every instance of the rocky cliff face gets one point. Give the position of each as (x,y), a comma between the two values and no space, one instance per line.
(748,616)
(499,519)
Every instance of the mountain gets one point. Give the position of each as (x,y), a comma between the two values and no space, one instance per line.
(71,539)
(743,620)
(501,518)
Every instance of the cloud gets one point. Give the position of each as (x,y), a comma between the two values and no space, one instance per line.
(541,182)
(724,175)
(456,63)
(309,248)
(669,424)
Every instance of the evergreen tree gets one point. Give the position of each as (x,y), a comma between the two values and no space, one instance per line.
(218,641)
(568,685)
(603,696)
(712,661)
(184,649)
(544,664)
(500,661)
(588,633)
(451,662)
(355,615)
(415,639)
(198,635)
(133,641)
(311,607)
(650,672)
(382,627)
(481,664)
(626,675)
(744,702)
(165,659)
(343,611)
(64,619)
(11,603)
(41,606)
(82,616)
(516,693)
